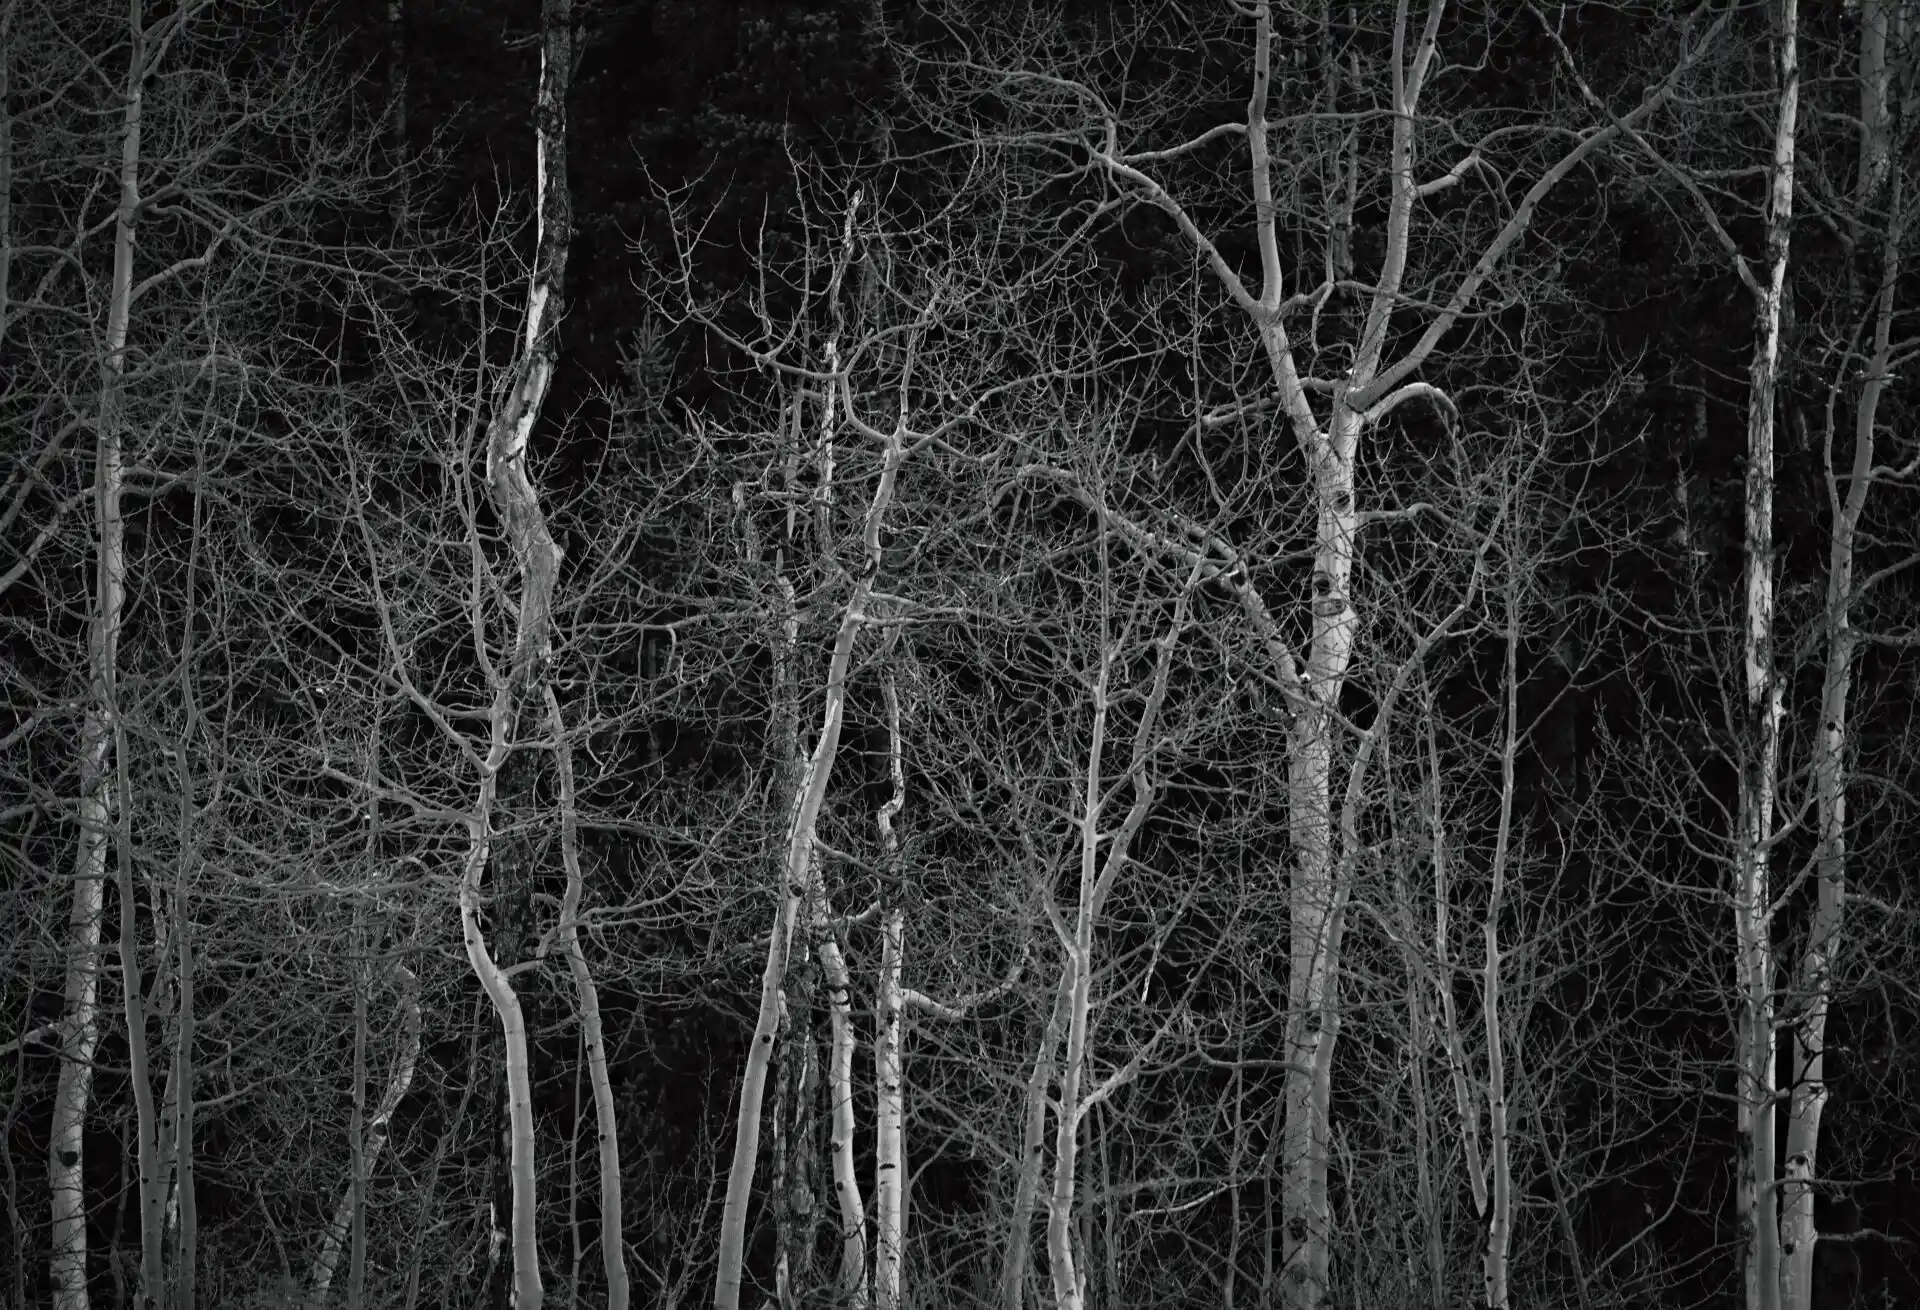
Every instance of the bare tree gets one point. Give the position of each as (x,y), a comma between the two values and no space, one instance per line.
(1342,344)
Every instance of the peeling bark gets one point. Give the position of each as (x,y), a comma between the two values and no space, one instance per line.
(1757,1093)
(516,502)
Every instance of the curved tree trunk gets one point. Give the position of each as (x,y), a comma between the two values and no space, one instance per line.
(520,688)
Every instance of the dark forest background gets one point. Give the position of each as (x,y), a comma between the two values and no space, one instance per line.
(808,247)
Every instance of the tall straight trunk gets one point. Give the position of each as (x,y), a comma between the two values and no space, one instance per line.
(889,1115)
(187,1234)
(846,1181)
(80,1015)
(1883,24)
(1757,1036)
(889,1118)
(151,1283)
(1498,1215)
(797,872)
(1077,983)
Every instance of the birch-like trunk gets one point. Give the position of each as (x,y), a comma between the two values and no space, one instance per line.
(1883,24)
(522,686)
(798,866)
(889,1115)
(1757,1093)
(840,1143)
(80,1014)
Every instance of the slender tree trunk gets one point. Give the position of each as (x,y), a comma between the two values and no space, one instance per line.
(399,1080)
(808,798)
(186,1242)
(889,1118)
(1757,1053)
(1097,877)
(80,1017)
(151,1284)
(1498,1214)
(846,1181)
(1026,1189)
(606,1123)
(1878,180)
(1077,983)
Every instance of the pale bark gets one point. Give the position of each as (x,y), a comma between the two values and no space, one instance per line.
(187,1228)
(606,1123)
(889,1116)
(1097,877)
(1756,1091)
(1498,1217)
(846,1181)
(80,1017)
(797,871)
(151,1281)
(1077,983)
(516,502)
(1026,1190)
(326,1261)
(889,1119)
(1878,181)
(1367,390)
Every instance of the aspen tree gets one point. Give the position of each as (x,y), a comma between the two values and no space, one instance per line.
(80,1018)
(1881,198)
(1329,397)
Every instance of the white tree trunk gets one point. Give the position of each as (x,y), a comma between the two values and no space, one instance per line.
(606,1124)
(1757,1047)
(889,1116)
(80,1016)
(1880,20)
(1026,1190)
(808,798)
(846,1180)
